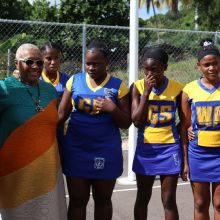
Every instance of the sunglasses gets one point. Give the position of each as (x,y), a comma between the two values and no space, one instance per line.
(30,62)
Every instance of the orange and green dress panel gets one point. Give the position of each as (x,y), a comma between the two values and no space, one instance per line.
(30,172)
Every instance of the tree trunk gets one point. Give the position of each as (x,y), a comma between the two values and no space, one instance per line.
(174,8)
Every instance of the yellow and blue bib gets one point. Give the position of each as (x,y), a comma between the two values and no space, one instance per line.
(205,107)
(160,127)
(84,95)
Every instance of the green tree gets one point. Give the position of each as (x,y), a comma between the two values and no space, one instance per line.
(209,14)
(148,5)
(42,11)
(105,12)
(173,5)
(185,20)
(14,9)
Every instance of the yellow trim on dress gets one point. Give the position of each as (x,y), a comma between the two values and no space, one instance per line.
(99,86)
(69,88)
(69,83)
(123,90)
(46,79)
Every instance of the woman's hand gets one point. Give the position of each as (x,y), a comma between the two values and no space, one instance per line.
(190,133)
(185,172)
(149,82)
(105,105)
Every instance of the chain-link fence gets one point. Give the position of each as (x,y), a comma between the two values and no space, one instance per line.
(181,45)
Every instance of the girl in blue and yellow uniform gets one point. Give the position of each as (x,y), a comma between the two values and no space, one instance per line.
(51,74)
(51,53)
(201,109)
(154,103)
(92,154)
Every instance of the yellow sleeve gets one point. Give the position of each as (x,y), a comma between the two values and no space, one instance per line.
(179,87)
(69,84)
(140,86)
(123,90)
(188,87)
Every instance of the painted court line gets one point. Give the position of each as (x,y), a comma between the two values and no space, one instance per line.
(134,189)
(154,187)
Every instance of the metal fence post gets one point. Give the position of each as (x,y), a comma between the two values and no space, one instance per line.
(83,46)
(133,76)
(9,62)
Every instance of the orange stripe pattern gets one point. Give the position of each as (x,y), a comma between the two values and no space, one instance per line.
(29,159)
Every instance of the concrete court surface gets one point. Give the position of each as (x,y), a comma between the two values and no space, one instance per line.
(124,198)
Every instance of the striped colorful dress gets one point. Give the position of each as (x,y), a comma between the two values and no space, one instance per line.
(31,183)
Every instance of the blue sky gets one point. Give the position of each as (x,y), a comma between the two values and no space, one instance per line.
(142,11)
(145,15)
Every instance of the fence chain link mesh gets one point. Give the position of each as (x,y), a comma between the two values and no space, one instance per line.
(73,38)
(181,46)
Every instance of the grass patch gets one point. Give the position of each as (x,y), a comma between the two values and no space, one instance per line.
(183,71)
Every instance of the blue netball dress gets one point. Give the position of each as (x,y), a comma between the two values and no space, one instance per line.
(158,150)
(92,144)
(204,150)
(59,83)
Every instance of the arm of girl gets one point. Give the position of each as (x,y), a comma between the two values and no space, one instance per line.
(139,107)
(184,125)
(65,106)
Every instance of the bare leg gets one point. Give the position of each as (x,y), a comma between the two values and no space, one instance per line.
(216,200)
(144,191)
(201,193)
(168,194)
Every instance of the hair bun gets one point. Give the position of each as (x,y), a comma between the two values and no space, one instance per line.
(206,42)
(207,48)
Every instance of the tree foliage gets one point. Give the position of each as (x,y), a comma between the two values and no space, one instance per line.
(172,5)
(209,14)
(185,21)
(42,11)
(105,12)
(14,9)
(111,12)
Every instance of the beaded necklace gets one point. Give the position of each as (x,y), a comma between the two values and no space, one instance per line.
(38,107)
